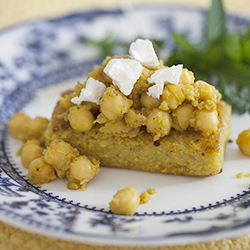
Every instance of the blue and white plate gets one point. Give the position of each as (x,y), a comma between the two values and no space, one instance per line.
(40,59)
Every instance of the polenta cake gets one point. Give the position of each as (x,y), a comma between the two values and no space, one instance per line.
(147,117)
(131,112)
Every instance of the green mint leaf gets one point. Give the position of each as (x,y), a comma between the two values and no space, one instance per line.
(216,22)
(246,36)
(238,98)
(184,45)
(245,46)
(245,51)
(235,72)
(107,45)
(159,43)
(232,47)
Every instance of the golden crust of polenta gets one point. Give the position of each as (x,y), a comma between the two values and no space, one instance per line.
(180,153)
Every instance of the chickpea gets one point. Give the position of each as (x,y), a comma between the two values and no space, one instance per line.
(60,154)
(65,100)
(187,77)
(243,142)
(149,101)
(125,201)
(22,127)
(81,119)
(114,104)
(82,170)
(34,129)
(16,123)
(176,90)
(172,102)
(30,151)
(159,123)
(206,121)
(73,186)
(184,114)
(40,172)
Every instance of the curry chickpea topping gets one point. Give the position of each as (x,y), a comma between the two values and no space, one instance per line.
(183,106)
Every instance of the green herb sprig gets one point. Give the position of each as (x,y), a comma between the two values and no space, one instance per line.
(222,59)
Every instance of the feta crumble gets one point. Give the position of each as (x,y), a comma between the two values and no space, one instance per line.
(124,73)
(93,92)
(143,51)
(164,76)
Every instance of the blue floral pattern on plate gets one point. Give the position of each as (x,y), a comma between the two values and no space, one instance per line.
(46,53)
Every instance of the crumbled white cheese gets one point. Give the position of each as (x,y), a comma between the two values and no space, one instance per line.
(164,76)
(143,51)
(124,73)
(93,92)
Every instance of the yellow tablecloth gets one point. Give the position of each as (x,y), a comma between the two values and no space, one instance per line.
(13,12)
